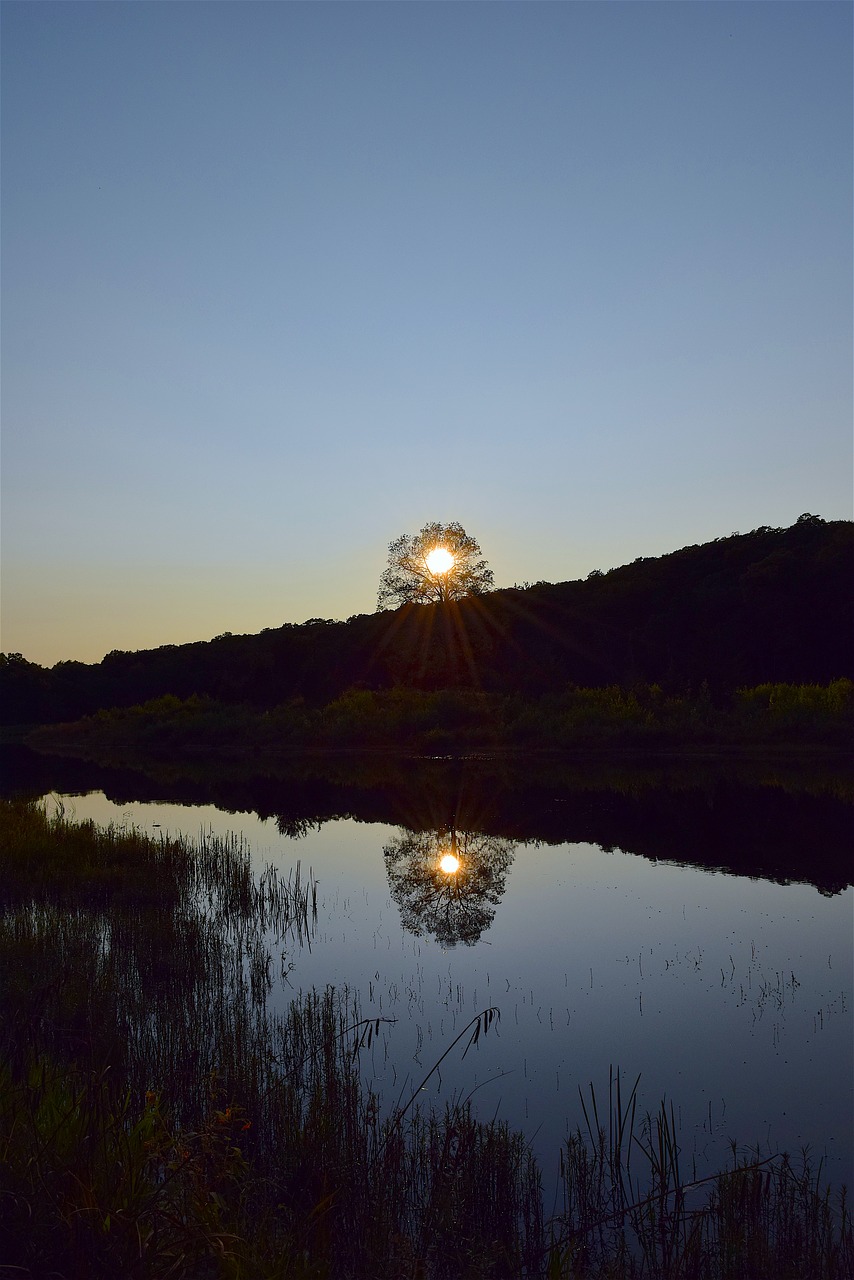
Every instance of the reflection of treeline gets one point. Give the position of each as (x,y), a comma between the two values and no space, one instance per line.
(752,813)
(456,720)
(769,606)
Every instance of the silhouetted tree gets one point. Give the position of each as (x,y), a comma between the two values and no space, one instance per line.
(440,563)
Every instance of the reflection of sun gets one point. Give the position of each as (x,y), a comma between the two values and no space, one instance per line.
(439,561)
(449,864)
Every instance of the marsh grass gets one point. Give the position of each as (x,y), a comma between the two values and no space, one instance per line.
(158,1119)
(304,1181)
(146,956)
(630,1210)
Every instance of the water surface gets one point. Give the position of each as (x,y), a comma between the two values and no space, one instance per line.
(728,993)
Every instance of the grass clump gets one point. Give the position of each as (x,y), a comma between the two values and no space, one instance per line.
(630,1211)
(96,1181)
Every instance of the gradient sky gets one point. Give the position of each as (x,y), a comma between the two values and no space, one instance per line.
(281,282)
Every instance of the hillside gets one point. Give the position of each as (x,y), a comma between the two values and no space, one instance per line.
(768,606)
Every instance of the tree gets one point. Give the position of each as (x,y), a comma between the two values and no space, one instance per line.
(438,564)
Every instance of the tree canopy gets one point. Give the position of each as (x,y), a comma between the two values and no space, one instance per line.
(438,564)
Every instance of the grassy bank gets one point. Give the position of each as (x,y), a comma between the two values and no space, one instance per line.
(402,720)
(157,1119)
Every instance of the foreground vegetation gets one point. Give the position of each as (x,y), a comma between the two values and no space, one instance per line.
(461,721)
(157,1119)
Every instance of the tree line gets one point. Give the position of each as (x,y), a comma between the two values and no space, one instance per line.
(773,605)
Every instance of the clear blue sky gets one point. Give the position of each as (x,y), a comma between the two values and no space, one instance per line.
(284,281)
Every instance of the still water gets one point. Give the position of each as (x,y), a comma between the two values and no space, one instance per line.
(729,994)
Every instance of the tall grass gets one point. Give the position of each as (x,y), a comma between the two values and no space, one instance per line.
(145,956)
(631,1210)
(302,1178)
(158,1120)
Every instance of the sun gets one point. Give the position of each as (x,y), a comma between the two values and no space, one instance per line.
(449,864)
(439,561)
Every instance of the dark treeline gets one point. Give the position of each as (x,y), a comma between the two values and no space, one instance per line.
(768,606)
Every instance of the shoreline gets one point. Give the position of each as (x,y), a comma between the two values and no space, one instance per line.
(42,740)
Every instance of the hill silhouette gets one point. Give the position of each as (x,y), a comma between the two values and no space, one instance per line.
(768,606)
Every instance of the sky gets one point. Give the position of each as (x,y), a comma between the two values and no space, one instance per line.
(283,281)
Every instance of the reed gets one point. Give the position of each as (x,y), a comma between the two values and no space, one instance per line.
(757,1219)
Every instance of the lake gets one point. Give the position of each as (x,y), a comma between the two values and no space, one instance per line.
(687,923)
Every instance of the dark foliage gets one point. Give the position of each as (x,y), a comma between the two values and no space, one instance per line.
(772,605)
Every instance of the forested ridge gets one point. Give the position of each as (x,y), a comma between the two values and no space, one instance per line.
(770,605)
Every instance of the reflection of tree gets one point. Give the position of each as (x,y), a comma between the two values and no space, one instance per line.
(296,828)
(454,905)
